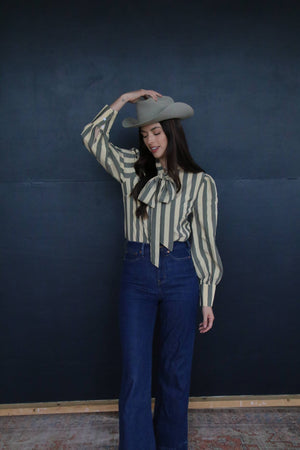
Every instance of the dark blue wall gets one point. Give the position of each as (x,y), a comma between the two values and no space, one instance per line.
(61,214)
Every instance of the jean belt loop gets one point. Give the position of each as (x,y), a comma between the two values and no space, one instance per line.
(143,249)
(188,243)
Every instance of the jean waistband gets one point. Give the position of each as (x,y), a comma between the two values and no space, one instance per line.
(144,247)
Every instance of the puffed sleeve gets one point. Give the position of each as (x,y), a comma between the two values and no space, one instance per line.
(204,251)
(115,160)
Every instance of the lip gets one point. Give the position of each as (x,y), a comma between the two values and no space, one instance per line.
(154,149)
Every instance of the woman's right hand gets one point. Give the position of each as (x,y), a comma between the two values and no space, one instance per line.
(132,97)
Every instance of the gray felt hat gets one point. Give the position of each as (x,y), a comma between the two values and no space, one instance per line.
(151,111)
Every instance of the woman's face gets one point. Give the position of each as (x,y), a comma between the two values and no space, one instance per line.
(156,141)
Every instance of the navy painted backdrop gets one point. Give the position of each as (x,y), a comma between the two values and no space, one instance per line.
(61,214)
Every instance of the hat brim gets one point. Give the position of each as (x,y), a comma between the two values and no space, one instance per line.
(174,111)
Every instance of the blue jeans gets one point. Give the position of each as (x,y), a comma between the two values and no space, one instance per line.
(172,292)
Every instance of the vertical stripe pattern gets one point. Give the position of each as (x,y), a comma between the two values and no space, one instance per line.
(189,214)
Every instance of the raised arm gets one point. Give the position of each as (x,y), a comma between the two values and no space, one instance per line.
(96,135)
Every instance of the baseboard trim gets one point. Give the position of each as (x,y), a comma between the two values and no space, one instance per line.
(95,406)
(244,401)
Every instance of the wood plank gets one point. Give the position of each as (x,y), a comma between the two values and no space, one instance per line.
(98,406)
(246,401)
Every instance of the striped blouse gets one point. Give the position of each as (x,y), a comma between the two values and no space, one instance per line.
(190,213)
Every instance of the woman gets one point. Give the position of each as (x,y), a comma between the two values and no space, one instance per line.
(170,216)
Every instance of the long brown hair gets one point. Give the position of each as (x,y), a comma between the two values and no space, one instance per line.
(177,154)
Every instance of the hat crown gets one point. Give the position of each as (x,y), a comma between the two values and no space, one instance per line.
(150,111)
(146,109)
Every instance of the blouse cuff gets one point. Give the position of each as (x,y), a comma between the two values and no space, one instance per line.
(208,294)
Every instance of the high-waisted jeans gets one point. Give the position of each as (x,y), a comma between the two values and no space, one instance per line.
(172,292)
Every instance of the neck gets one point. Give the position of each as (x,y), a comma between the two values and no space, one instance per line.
(163,162)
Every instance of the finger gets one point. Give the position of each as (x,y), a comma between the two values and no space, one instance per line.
(153,94)
(156,94)
(145,96)
(206,325)
(202,326)
(210,323)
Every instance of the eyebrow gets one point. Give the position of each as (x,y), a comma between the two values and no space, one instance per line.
(143,131)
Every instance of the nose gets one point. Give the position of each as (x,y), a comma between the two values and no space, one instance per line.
(150,140)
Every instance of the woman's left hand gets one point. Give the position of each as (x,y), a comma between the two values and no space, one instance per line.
(208,319)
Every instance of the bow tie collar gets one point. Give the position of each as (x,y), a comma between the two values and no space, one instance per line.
(161,188)
(157,192)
